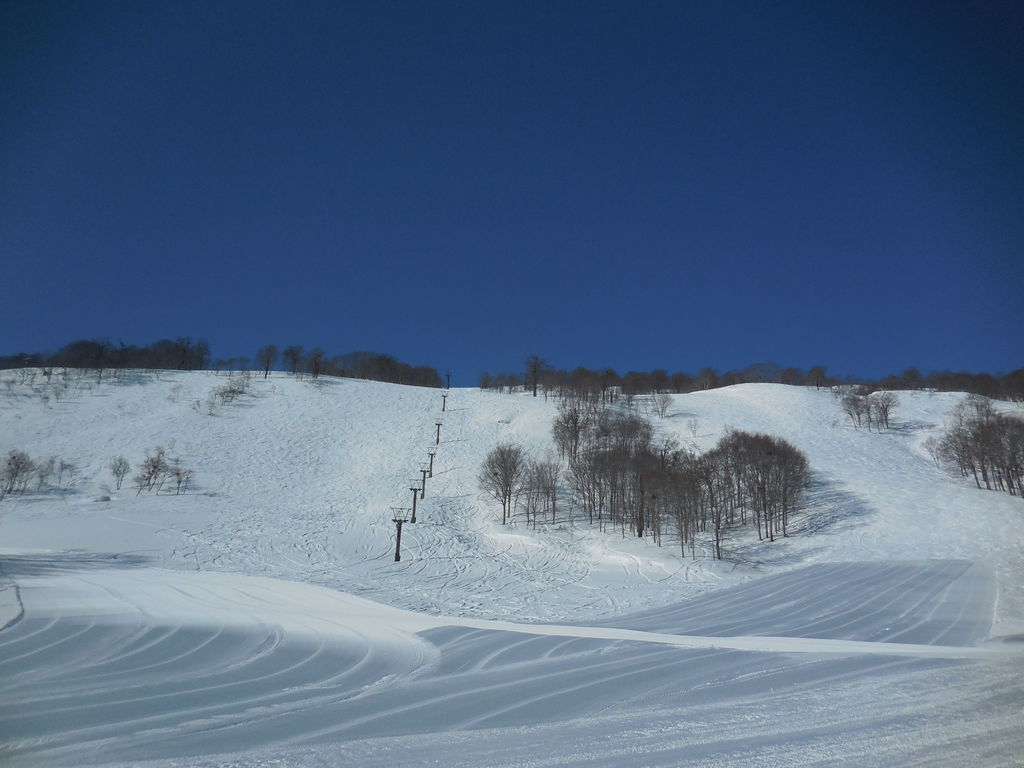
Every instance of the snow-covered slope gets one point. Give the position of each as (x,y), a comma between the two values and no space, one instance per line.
(262,611)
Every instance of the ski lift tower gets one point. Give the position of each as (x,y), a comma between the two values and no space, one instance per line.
(399,515)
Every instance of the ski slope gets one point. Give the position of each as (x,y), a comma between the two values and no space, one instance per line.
(260,619)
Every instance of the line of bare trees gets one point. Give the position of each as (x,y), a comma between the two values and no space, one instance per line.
(620,476)
(985,445)
(606,385)
(19,471)
(354,365)
(185,353)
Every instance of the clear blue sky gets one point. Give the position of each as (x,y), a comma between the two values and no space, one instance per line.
(634,185)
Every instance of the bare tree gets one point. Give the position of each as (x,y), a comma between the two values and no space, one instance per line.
(62,467)
(568,428)
(502,475)
(535,366)
(533,493)
(44,470)
(661,402)
(119,468)
(541,489)
(880,408)
(792,376)
(266,357)
(181,476)
(154,471)
(855,406)
(293,357)
(817,376)
(707,378)
(16,472)
(314,362)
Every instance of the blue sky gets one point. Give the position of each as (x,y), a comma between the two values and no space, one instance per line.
(635,185)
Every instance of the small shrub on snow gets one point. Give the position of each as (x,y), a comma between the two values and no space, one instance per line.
(236,386)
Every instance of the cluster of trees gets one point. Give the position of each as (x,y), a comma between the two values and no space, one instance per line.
(157,470)
(19,471)
(606,385)
(180,354)
(868,407)
(354,365)
(593,386)
(515,480)
(1009,386)
(52,385)
(185,354)
(984,444)
(619,475)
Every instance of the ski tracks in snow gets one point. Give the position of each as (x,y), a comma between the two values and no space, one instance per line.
(131,664)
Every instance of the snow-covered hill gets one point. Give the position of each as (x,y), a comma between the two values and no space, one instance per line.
(261,612)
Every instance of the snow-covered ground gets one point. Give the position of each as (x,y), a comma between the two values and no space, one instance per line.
(260,618)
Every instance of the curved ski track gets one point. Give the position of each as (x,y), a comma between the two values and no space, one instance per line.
(222,669)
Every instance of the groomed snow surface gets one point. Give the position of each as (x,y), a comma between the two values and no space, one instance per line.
(260,618)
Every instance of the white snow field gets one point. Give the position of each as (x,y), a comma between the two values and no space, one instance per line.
(260,619)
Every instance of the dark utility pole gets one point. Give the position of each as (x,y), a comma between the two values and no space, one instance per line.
(438,440)
(444,402)
(430,468)
(423,482)
(448,377)
(398,519)
(415,493)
